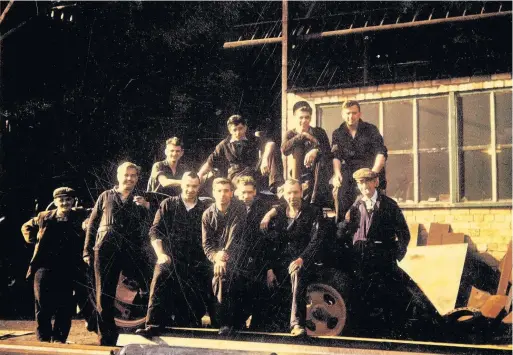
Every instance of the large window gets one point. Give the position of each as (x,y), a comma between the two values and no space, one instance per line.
(453,148)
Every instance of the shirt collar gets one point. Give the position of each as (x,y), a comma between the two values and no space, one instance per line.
(373,199)
(187,206)
(233,140)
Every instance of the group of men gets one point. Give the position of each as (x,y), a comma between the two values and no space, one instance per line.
(222,258)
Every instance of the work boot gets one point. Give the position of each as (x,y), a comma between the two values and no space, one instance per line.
(298,331)
(150,331)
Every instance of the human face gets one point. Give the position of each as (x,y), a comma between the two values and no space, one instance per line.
(63,203)
(127,179)
(222,194)
(367,186)
(190,188)
(173,153)
(237,132)
(351,115)
(246,193)
(292,194)
(303,119)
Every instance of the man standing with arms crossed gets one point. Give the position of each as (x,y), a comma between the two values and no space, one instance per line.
(355,144)
(181,280)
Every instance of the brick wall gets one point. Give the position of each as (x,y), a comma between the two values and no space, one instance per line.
(396,91)
(488,230)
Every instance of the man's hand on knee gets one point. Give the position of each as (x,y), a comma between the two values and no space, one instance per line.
(295,265)
(219,268)
(163,259)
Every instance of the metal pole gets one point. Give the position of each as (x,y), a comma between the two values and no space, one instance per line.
(284,72)
(350,31)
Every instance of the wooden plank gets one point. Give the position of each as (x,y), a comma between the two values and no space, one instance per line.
(477,298)
(414,234)
(453,238)
(436,231)
(493,306)
(437,270)
(505,278)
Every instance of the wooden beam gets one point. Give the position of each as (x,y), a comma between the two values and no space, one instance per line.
(350,31)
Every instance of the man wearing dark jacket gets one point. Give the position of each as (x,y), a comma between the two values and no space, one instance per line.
(181,280)
(224,244)
(299,234)
(243,154)
(378,236)
(258,249)
(114,240)
(56,264)
(311,155)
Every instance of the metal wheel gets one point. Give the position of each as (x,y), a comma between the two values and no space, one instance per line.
(131,304)
(326,311)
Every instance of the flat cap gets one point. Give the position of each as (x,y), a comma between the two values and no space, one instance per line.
(364,173)
(63,191)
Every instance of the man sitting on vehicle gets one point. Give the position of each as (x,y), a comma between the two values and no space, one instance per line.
(239,155)
(181,281)
(223,226)
(166,175)
(298,233)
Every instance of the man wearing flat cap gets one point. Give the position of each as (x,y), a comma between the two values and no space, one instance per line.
(56,264)
(376,232)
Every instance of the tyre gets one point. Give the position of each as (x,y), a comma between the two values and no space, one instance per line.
(131,304)
(327,309)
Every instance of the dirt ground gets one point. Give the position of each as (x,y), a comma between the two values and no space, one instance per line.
(78,333)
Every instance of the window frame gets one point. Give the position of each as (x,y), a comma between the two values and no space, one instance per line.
(453,146)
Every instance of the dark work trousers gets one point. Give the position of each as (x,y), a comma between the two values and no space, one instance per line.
(232,293)
(380,297)
(178,297)
(110,258)
(53,293)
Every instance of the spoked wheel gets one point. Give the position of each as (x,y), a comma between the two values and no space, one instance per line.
(326,311)
(131,304)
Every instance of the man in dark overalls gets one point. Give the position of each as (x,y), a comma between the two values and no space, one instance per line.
(181,286)
(56,264)
(114,239)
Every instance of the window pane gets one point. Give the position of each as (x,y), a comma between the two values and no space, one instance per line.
(433,123)
(398,125)
(434,176)
(474,119)
(330,119)
(476,176)
(370,113)
(503,117)
(504,174)
(399,172)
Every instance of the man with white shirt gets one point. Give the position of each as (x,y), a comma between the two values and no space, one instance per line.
(180,289)
(378,235)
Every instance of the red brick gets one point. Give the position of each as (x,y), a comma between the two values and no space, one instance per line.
(422,84)
(460,80)
(403,86)
(351,91)
(386,87)
(502,76)
(367,89)
(479,78)
(441,82)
